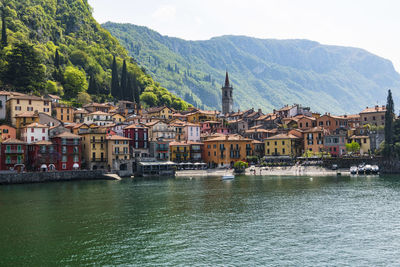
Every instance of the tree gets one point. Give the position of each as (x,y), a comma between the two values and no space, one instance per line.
(389,117)
(353,147)
(83,98)
(75,81)
(4,42)
(57,60)
(25,71)
(124,83)
(149,98)
(137,91)
(93,88)
(114,79)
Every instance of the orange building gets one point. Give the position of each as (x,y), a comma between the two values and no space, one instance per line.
(330,122)
(7,132)
(314,139)
(226,150)
(305,122)
(64,113)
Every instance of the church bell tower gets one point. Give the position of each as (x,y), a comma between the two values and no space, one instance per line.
(227,98)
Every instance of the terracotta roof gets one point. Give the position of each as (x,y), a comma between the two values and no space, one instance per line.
(315,129)
(117,137)
(269,116)
(27,97)
(188,143)
(134,126)
(156,109)
(97,105)
(27,114)
(149,124)
(257,142)
(99,113)
(374,109)
(282,136)
(355,116)
(286,108)
(43,142)
(299,117)
(80,111)
(53,96)
(36,125)
(67,135)
(13,141)
(229,137)
(10,93)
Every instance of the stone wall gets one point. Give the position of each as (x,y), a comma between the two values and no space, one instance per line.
(41,177)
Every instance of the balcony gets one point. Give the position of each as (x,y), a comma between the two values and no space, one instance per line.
(98,160)
(120,153)
(14,162)
(14,151)
(97,140)
(70,143)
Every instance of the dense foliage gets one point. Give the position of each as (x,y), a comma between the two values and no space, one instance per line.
(56,46)
(265,73)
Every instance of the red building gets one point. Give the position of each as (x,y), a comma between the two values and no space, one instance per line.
(42,156)
(13,154)
(68,149)
(139,143)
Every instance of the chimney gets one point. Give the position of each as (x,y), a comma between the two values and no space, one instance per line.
(259,110)
(226,137)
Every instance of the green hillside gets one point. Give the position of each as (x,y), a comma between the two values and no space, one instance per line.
(56,46)
(265,73)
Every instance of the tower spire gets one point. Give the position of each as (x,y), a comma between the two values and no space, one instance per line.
(227,84)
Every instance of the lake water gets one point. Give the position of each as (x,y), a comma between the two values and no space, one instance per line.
(294,221)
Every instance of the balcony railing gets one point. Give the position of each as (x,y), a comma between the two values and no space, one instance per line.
(120,153)
(14,151)
(14,162)
(97,140)
(98,160)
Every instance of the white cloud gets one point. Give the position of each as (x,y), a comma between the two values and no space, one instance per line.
(164,13)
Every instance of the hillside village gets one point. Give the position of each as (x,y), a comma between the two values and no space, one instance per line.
(43,134)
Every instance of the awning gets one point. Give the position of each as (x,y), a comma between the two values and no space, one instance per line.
(43,166)
(75,166)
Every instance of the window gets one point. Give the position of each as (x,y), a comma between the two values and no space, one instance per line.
(64,158)
(373,118)
(62,117)
(64,166)
(43,130)
(76,158)
(32,130)
(76,149)
(283,143)
(64,149)
(18,101)
(283,151)
(32,138)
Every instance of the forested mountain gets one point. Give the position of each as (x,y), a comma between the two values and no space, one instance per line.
(56,46)
(264,73)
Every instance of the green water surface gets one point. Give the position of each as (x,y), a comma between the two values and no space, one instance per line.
(251,221)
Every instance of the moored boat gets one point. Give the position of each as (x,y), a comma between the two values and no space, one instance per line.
(375,169)
(353,170)
(368,169)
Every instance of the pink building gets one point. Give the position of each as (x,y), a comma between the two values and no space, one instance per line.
(192,132)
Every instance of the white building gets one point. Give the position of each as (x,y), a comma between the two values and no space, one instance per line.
(192,132)
(99,118)
(35,132)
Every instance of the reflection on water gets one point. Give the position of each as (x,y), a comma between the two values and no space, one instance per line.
(248,221)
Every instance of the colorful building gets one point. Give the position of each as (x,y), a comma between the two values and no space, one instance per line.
(94,148)
(373,116)
(138,140)
(163,112)
(7,132)
(64,113)
(118,156)
(68,147)
(364,142)
(24,103)
(13,154)
(335,143)
(283,145)
(314,139)
(24,119)
(226,150)
(42,156)
(185,151)
(35,132)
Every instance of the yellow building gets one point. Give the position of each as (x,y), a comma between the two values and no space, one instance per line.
(160,112)
(25,103)
(117,151)
(364,142)
(118,118)
(202,116)
(64,113)
(23,119)
(94,148)
(179,151)
(283,145)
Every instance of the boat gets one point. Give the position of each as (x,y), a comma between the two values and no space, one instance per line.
(360,169)
(353,170)
(368,169)
(375,169)
(228,177)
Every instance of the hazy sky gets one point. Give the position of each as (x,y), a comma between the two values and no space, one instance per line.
(370,24)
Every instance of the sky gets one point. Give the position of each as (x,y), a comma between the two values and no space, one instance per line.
(369,24)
